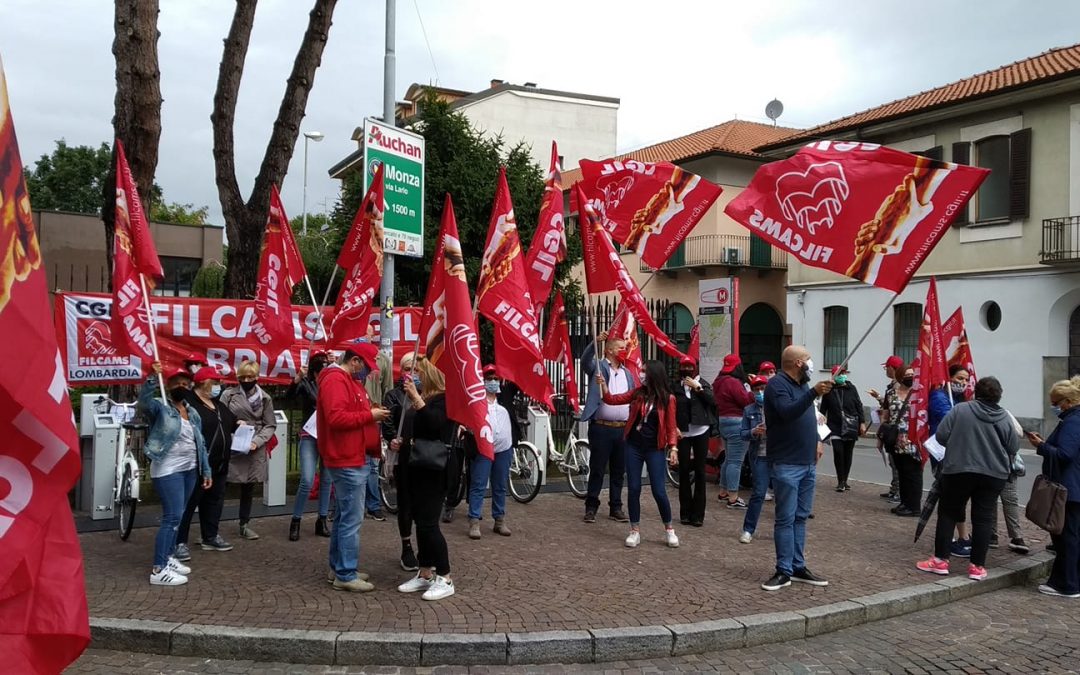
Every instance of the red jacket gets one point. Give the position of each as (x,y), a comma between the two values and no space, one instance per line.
(731,396)
(668,433)
(347,431)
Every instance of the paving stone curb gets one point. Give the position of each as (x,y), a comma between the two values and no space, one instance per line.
(579,646)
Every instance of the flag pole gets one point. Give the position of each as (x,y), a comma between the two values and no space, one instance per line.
(416,354)
(844,363)
(329,285)
(153,335)
(620,309)
(318,310)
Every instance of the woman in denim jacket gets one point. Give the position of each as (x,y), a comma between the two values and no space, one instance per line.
(753,432)
(176,449)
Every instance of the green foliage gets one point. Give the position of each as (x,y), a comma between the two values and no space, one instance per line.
(72,178)
(209,282)
(319,249)
(178,214)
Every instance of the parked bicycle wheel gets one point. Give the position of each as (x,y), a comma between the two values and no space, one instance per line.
(388,487)
(525,472)
(126,505)
(577,468)
(673,474)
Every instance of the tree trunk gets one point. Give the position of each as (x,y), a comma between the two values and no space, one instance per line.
(246,221)
(137,107)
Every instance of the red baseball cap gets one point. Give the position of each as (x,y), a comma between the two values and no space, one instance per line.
(758,381)
(489,369)
(687,361)
(207,373)
(195,357)
(894,362)
(365,350)
(730,362)
(766,365)
(170,373)
(836,370)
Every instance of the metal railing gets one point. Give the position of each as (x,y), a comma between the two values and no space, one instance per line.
(1060,240)
(731,250)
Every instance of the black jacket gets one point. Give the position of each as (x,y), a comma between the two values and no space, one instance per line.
(842,400)
(394,401)
(306,391)
(218,425)
(697,409)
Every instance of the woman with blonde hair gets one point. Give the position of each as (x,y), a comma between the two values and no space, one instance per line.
(251,406)
(1061,464)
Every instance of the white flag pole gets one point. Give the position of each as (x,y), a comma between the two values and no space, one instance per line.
(153,335)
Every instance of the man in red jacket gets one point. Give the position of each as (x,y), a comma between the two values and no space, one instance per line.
(348,432)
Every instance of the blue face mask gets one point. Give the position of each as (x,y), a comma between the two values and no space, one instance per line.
(215,391)
(1057,410)
(362,373)
(492,386)
(416,382)
(759,396)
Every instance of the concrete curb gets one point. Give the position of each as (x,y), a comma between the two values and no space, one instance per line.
(576,646)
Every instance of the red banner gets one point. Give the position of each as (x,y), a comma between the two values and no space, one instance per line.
(280,269)
(557,348)
(930,370)
(362,259)
(694,350)
(650,208)
(958,349)
(548,247)
(624,327)
(44,624)
(858,209)
(449,335)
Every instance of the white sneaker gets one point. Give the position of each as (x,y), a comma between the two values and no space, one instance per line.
(440,588)
(178,567)
(633,539)
(746,538)
(769,496)
(167,577)
(671,539)
(417,583)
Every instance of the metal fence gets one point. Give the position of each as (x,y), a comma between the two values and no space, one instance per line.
(1060,240)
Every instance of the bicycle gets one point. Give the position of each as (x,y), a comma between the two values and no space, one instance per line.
(572,460)
(125,495)
(526,473)
(387,485)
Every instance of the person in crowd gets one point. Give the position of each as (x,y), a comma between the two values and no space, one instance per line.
(250,405)
(497,470)
(395,403)
(1010,506)
(348,433)
(843,411)
(732,396)
(695,412)
(377,384)
(904,453)
(217,426)
(893,367)
(305,389)
(174,444)
(941,401)
(607,426)
(194,363)
(981,444)
(652,436)
(425,418)
(767,370)
(792,453)
(753,432)
(1061,464)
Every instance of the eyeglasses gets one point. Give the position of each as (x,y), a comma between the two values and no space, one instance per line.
(1057,402)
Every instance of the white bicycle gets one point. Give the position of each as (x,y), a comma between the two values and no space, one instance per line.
(126,483)
(572,459)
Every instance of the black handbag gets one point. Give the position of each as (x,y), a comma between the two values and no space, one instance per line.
(428,454)
(889,432)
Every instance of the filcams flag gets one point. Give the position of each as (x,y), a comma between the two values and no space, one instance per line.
(362,259)
(548,247)
(44,624)
(647,207)
(448,335)
(958,349)
(135,261)
(557,348)
(930,370)
(280,269)
(624,328)
(858,209)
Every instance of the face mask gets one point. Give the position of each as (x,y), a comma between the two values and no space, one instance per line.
(362,373)
(686,373)
(1057,410)
(215,391)
(808,367)
(759,396)
(957,389)
(492,386)
(248,387)
(178,394)
(840,379)
(907,381)
(416,382)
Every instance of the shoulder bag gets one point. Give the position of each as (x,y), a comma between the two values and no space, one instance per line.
(1046,506)
(428,454)
(889,432)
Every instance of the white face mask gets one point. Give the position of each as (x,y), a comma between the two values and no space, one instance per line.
(808,367)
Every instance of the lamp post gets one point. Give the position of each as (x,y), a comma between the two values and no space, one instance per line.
(308,136)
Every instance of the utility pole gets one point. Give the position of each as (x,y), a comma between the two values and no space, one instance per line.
(389,67)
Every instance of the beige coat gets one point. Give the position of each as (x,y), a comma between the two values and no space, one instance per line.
(250,468)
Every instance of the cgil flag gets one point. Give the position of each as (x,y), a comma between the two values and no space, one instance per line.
(930,369)
(280,269)
(362,259)
(958,349)
(548,246)
(557,348)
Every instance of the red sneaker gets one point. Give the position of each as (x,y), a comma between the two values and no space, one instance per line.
(934,565)
(977,573)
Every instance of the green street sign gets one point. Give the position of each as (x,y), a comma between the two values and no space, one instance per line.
(403,154)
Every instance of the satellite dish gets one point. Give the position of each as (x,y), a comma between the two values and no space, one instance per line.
(774,109)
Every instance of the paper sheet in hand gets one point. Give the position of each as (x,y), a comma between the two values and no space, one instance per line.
(936,450)
(242,438)
(823,431)
(875,417)
(310,427)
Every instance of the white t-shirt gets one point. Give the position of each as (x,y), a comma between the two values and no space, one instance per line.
(618,382)
(180,457)
(499,419)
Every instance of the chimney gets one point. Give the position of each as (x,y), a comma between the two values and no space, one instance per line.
(495,83)
(530,85)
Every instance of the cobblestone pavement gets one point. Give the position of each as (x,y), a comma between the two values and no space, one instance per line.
(1009,631)
(554,573)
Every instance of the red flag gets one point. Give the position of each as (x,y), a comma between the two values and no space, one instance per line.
(958,349)
(647,207)
(448,333)
(858,209)
(44,624)
(503,297)
(134,260)
(548,246)
(930,371)
(280,269)
(694,350)
(557,348)
(362,258)
(624,327)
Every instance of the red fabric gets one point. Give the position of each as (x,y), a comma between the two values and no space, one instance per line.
(668,434)
(347,431)
(557,348)
(548,246)
(362,259)
(502,293)
(624,327)
(448,335)
(731,396)
(649,208)
(858,209)
(129,210)
(931,370)
(599,273)
(694,350)
(280,269)
(958,349)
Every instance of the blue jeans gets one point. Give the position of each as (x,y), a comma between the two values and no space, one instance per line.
(309,461)
(374,495)
(173,490)
(734,452)
(656,461)
(498,471)
(607,453)
(793,490)
(350,486)
(760,467)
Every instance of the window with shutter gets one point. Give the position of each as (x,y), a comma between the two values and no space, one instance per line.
(1019,174)
(907,322)
(961,154)
(836,334)
(992,199)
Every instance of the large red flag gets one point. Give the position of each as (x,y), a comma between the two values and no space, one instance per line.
(647,207)
(280,269)
(858,209)
(930,369)
(134,261)
(694,350)
(448,335)
(548,246)
(958,349)
(44,624)
(557,348)
(503,297)
(362,259)
(624,328)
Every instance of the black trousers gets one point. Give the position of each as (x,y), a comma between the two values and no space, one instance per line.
(1065,575)
(843,453)
(910,471)
(692,477)
(247,496)
(607,453)
(427,490)
(455,467)
(956,490)
(209,502)
(404,499)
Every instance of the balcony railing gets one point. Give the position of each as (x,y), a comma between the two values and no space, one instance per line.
(724,250)
(1060,240)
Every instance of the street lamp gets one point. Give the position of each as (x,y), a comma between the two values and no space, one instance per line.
(308,136)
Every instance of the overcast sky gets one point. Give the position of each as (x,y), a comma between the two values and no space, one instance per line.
(677,66)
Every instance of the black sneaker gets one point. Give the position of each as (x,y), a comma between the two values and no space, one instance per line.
(685,521)
(376,515)
(778,581)
(905,512)
(1050,547)
(619,516)
(887,495)
(805,576)
(847,486)
(590,516)
(1019,546)
(448,515)
(409,563)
